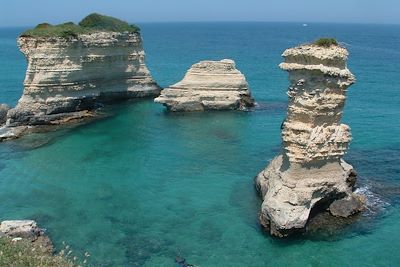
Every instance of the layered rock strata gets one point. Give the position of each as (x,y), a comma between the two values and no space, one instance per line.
(209,85)
(310,173)
(67,75)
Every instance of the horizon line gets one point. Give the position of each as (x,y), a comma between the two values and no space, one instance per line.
(238,21)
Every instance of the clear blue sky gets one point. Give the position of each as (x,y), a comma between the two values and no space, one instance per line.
(32,12)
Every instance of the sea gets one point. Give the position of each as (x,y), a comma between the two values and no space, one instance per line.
(143,186)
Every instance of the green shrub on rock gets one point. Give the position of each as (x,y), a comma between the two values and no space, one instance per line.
(326,42)
(90,24)
(101,22)
(43,26)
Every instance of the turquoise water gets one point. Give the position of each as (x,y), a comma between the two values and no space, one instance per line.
(142,186)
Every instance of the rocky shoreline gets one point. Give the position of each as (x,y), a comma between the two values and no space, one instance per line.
(17,230)
(23,243)
(73,119)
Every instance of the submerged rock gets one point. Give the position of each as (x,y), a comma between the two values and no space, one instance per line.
(69,74)
(209,85)
(310,173)
(182,262)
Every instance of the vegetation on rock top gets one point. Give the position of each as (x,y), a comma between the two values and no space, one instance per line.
(92,23)
(100,22)
(325,42)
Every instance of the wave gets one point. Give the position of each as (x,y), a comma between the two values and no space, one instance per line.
(374,202)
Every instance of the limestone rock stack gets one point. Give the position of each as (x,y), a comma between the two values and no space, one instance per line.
(310,172)
(209,85)
(80,72)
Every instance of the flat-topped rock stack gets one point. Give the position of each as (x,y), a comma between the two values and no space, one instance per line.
(209,85)
(73,71)
(310,172)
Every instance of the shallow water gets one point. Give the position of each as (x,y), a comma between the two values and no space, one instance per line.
(142,186)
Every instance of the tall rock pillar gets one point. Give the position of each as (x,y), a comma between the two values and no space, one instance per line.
(310,171)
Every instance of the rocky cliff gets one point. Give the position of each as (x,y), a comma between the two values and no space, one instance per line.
(310,172)
(79,71)
(209,85)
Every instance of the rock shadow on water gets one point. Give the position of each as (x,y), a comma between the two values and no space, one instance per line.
(94,154)
(2,166)
(271,107)
(378,165)
(42,136)
(17,148)
(327,227)
(225,135)
(245,201)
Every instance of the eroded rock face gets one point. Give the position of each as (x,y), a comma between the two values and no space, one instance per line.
(209,85)
(310,172)
(347,206)
(67,75)
(3,113)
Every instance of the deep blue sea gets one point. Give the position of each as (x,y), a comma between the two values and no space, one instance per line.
(142,186)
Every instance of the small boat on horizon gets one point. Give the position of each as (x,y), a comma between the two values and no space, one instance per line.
(305,25)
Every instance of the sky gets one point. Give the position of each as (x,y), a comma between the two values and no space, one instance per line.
(32,12)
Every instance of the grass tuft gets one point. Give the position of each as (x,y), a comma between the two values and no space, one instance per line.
(24,253)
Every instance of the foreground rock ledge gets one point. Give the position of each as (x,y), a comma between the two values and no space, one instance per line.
(26,229)
(310,174)
(209,85)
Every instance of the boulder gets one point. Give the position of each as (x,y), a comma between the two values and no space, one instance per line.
(209,85)
(347,206)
